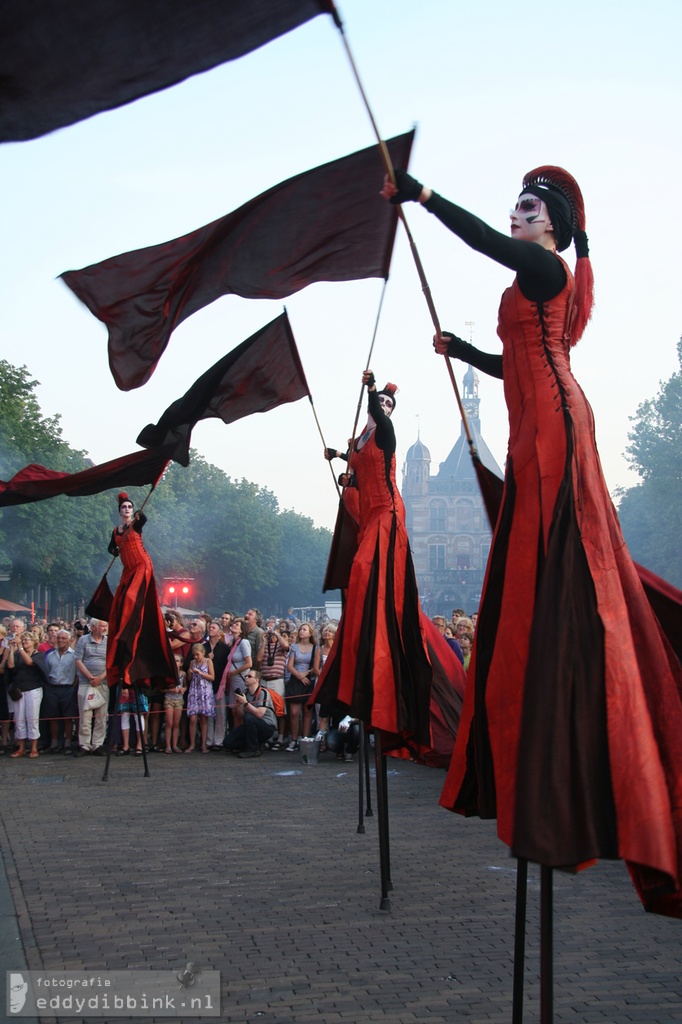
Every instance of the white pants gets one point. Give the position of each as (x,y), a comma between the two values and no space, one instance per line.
(127,716)
(27,715)
(217,727)
(91,736)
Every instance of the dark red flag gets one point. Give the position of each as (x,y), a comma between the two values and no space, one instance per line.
(99,605)
(327,224)
(62,62)
(344,544)
(263,372)
(666,601)
(36,483)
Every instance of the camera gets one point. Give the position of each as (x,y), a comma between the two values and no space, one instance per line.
(239,691)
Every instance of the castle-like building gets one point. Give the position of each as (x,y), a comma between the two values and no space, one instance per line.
(447,523)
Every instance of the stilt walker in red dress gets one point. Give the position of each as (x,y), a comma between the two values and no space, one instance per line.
(384,668)
(137,647)
(379,669)
(570,734)
(138,651)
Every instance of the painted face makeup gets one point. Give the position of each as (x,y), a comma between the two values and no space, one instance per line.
(529,219)
(386,404)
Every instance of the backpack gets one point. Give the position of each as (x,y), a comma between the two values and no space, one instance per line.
(277,702)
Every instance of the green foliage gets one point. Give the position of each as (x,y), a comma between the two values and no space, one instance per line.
(25,434)
(655,447)
(56,543)
(228,535)
(236,544)
(301,564)
(649,512)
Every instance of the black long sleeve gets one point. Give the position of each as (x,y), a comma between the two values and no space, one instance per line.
(384,434)
(541,274)
(486,362)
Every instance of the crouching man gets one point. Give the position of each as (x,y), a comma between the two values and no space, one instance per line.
(255,720)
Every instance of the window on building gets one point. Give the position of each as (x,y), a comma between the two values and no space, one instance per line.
(464,552)
(437,517)
(436,557)
(464,516)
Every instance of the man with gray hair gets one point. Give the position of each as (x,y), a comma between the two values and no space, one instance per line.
(93,692)
(253,621)
(16,627)
(59,699)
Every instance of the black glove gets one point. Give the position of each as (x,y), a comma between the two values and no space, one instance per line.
(371,383)
(409,189)
(330,453)
(484,361)
(458,348)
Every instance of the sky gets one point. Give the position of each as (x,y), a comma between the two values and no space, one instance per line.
(494,91)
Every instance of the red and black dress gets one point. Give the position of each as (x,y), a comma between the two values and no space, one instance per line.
(378,669)
(570,734)
(137,646)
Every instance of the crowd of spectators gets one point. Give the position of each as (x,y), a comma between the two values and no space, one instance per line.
(241,688)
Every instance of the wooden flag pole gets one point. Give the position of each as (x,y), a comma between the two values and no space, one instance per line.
(367,367)
(388,166)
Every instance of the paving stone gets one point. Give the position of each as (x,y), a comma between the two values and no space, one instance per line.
(263,876)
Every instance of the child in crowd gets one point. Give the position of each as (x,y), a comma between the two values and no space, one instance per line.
(173,703)
(127,706)
(200,697)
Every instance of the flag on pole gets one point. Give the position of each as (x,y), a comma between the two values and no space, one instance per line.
(263,372)
(62,62)
(37,483)
(327,224)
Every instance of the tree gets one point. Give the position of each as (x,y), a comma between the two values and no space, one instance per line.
(25,434)
(57,544)
(649,512)
(230,536)
(301,565)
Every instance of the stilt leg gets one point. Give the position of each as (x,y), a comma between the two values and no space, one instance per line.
(369,813)
(520,939)
(383,831)
(546,947)
(384,770)
(362,755)
(110,738)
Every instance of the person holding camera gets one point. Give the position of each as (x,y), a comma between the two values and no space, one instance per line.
(25,691)
(254,717)
(273,659)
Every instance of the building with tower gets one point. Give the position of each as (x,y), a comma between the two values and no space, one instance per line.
(446,519)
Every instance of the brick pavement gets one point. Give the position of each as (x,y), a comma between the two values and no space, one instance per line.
(255,868)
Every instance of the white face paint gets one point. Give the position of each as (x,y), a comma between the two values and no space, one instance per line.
(530,219)
(386,404)
(126,510)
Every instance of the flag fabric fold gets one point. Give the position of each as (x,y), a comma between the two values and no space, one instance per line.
(326,224)
(664,598)
(37,483)
(62,62)
(263,372)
